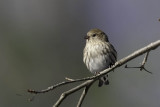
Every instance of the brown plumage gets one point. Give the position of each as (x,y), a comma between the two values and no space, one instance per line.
(98,53)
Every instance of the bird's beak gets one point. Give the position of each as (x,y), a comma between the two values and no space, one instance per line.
(86,37)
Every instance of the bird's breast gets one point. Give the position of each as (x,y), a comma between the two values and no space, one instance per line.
(96,57)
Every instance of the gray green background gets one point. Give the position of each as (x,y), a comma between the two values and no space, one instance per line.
(41,43)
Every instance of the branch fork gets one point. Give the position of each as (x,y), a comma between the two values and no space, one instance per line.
(142,66)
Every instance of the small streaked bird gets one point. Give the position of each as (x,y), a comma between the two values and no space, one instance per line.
(98,54)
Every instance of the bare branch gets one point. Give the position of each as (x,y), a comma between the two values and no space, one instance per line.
(60,84)
(88,81)
(142,64)
(84,93)
(135,54)
(145,58)
(65,94)
(69,79)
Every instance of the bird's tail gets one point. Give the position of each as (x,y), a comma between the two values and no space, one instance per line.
(103,80)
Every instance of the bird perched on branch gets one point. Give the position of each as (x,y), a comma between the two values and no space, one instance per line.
(99,54)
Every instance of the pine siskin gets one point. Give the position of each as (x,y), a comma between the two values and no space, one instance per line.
(98,53)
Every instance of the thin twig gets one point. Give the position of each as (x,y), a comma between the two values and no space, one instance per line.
(65,94)
(69,79)
(144,62)
(60,84)
(145,59)
(84,93)
(141,67)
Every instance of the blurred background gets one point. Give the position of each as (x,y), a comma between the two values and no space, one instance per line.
(41,43)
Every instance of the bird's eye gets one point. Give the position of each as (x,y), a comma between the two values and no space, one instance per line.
(94,35)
